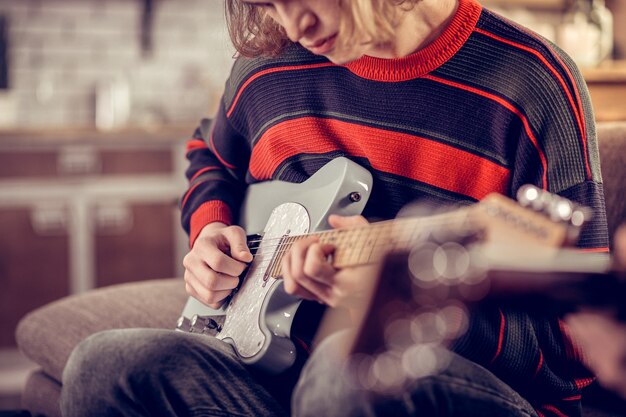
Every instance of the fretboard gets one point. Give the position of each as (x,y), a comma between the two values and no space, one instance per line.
(368,244)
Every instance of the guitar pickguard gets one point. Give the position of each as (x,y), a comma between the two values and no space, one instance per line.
(242,326)
(257,321)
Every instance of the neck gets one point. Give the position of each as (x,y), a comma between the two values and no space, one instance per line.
(418,27)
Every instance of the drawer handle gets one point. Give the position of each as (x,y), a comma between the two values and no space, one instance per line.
(113,219)
(50,220)
(73,160)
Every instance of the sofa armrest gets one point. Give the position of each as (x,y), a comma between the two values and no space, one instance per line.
(49,334)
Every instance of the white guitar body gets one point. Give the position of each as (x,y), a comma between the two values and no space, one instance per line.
(257,320)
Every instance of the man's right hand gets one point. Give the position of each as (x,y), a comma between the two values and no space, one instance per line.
(213,265)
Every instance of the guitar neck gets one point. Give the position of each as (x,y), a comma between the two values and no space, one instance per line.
(501,221)
(369,244)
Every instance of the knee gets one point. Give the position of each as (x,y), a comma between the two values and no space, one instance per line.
(325,388)
(91,374)
(117,356)
(116,364)
(106,360)
(89,361)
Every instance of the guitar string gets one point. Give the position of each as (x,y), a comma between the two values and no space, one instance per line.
(376,252)
(376,248)
(379,225)
(286,246)
(389,229)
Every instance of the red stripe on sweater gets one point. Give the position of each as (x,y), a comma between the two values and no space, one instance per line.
(539,364)
(194,144)
(578,112)
(554,410)
(270,71)
(584,382)
(222,160)
(573,398)
(441,165)
(189,191)
(500,336)
(427,59)
(510,107)
(202,171)
(594,250)
(570,350)
(208,212)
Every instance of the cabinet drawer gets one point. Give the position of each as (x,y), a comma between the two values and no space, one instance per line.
(31,164)
(140,247)
(136,161)
(80,160)
(34,268)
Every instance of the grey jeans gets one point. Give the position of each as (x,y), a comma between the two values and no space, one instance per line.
(147,372)
(461,389)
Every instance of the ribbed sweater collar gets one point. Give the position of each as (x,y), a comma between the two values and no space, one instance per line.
(427,59)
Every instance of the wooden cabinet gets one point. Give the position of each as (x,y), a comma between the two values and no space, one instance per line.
(34,268)
(80,210)
(607,87)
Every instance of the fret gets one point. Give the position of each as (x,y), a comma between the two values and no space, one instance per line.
(356,245)
(274,265)
(370,243)
(328,237)
(382,243)
(284,246)
(340,251)
(406,229)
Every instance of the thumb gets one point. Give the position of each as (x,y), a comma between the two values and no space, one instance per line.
(237,242)
(342,222)
(242,253)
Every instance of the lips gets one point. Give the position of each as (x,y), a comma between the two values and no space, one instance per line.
(322,46)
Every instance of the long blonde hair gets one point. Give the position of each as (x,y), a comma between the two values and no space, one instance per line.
(254,33)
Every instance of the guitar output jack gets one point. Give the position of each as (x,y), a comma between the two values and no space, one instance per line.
(355,196)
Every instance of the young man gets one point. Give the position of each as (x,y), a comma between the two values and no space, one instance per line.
(440,100)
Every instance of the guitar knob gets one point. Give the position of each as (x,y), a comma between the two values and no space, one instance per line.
(204,324)
(183,324)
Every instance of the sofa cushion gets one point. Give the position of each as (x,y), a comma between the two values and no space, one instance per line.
(41,395)
(49,334)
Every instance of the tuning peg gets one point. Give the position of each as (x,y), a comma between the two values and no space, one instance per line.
(530,196)
(557,208)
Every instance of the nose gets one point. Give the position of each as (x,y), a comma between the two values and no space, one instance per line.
(297,21)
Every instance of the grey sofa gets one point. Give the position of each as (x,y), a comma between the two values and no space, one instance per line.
(48,334)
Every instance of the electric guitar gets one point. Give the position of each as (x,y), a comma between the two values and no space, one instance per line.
(257,319)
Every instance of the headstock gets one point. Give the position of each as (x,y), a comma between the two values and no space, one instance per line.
(533,227)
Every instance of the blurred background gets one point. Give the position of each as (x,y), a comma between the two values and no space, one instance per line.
(97,98)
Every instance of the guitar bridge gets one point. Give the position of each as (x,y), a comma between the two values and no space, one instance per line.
(274,268)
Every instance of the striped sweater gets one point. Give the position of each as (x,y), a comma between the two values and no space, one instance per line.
(488,106)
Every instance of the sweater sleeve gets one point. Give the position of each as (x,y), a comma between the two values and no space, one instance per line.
(218,157)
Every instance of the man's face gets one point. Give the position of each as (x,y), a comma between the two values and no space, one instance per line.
(312,23)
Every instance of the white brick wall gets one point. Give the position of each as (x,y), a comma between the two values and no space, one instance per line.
(61,49)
